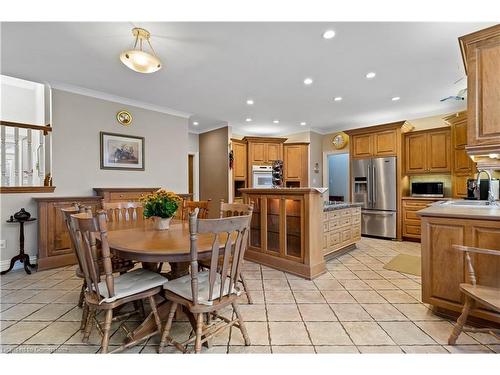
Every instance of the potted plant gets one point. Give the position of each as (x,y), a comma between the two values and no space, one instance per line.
(161,206)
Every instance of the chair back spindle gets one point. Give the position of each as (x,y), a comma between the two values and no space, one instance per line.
(123,211)
(234,209)
(190,206)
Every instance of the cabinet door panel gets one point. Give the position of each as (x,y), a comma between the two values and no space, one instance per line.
(240,161)
(462,162)
(293,162)
(488,92)
(460,185)
(460,134)
(259,152)
(273,152)
(438,152)
(415,153)
(362,145)
(385,143)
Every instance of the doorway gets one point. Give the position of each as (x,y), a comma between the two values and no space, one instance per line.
(338,177)
(193,175)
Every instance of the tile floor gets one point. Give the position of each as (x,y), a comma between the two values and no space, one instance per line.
(356,307)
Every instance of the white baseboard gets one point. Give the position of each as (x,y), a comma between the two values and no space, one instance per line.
(5,264)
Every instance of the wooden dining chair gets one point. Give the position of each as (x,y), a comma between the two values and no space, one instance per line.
(473,293)
(207,292)
(190,206)
(114,291)
(123,211)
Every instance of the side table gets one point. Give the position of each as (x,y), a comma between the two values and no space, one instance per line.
(22,257)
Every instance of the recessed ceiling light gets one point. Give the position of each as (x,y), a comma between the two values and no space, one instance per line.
(370,75)
(328,34)
(248,119)
(303,123)
(337,98)
(395,99)
(196,123)
(276,121)
(308,81)
(250,101)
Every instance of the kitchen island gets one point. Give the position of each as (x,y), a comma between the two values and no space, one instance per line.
(443,268)
(290,226)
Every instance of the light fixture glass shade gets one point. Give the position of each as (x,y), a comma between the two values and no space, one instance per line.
(140,61)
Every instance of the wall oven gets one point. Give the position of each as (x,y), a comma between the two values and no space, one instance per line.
(262,176)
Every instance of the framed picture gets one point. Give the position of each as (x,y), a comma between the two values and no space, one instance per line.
(120,151)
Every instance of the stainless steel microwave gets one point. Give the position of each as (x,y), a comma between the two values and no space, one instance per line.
(427,189)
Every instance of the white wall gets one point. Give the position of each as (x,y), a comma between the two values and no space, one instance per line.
(315,156)
(194,143)
(77,121)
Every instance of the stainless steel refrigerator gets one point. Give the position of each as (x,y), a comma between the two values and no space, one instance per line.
(374,186)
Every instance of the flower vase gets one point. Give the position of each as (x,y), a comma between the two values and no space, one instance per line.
(161,223)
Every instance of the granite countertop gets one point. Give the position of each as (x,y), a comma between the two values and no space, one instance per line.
(330,206)
(427,198)
(439,209)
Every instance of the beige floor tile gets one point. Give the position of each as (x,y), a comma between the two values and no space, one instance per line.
(312,312)
(45,284)
(279,297)
(494,348)
(51,312)
(416,311)
(35,349)
(69,284)
(350,312)
(77,349)
(303,284)
(383,312)
(423,349)
(344,275)
(254,284)
(397,296)
(308,296)
(368,275)
(367,333)
(357,267)
(46,296)
(484,338)
(390,275)
(381,284)
(70,297)
(328,284)
(471,349)
(293,349)
(4,324)
(367,296)
(62,275)
(373,349)
(288,333)
(283,313)
(325,276)
(254,349)
(440,331)
(20,332)
(16,297)
(276,285)
(273,274)
(252,275)
(331,349)
(417,294)
(327,333)
(355,285)
(73,315)
(55,333)
(250,266)
(336,267)
(338,296)
(257,331)
(253,313)
(6,348)
(257,296)
(406,284)
(21,311)
(406,333)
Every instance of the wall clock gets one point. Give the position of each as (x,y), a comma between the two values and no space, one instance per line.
(340,140)
(124,118)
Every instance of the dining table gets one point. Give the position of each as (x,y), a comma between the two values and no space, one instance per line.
(140,241)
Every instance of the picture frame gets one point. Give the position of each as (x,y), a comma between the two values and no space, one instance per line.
(121,152)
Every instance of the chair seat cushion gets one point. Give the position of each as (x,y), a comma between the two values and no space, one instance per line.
(489,296)
(182,287)
(131,283)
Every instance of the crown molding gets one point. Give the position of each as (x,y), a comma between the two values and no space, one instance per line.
(118,99)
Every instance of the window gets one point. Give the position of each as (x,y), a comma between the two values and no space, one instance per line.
(25,132)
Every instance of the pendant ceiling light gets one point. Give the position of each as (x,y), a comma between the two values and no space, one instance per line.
(137,59)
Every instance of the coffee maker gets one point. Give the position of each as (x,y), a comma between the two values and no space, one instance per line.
(484,187)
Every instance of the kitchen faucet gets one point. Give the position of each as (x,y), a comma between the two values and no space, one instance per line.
(491,198)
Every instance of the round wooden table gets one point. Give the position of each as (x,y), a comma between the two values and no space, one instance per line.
(139,241)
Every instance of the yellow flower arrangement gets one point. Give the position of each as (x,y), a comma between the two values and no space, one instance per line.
(162,203)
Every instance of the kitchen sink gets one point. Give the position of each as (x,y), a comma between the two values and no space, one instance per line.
(466,203)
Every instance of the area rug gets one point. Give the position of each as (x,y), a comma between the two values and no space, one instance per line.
(405,264)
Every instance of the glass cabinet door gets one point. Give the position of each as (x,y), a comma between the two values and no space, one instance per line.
(293,227)
(255,239)
(273,225)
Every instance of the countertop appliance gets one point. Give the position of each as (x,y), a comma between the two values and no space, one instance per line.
(427,189)
(484,186)
(262,176)
(374,186)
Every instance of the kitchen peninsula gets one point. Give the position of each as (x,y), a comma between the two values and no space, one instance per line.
(292,229)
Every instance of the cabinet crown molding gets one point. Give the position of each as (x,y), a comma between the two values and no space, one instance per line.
(265,139)
(403,125)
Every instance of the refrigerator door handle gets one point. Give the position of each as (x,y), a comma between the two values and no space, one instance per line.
(374,186)
(368,185)
(377,213)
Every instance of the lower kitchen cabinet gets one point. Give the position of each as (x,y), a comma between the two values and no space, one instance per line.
(411,221)
(341,229)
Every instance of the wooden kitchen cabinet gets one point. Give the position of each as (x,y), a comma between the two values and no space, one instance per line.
(295,164)
(411,221)
(481,55)
(378,144)
(362,145)
(428,151)
(263,151)
(239,160)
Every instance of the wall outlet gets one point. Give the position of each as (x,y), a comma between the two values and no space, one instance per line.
(3,244)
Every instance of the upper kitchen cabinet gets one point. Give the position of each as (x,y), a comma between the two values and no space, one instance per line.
(240,160)
(481,55)
(264,150)
(295,164)
(428,151)
(377,141)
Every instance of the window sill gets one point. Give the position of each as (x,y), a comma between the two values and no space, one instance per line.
(26,189)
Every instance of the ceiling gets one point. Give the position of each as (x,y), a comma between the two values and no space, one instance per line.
(210,69)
